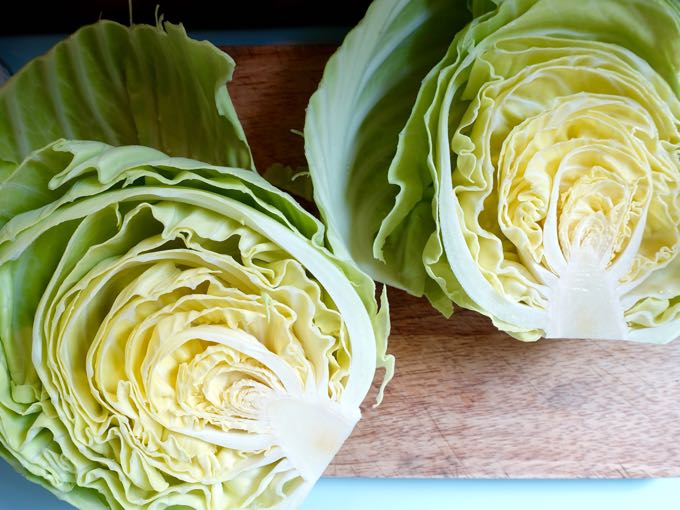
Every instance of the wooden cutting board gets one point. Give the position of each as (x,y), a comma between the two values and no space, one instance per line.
(467,400)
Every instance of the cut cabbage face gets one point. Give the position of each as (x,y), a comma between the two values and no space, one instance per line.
(537,179)
(171,337)
(173,334)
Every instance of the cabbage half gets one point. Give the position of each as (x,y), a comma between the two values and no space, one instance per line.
(532,175)
(173,333)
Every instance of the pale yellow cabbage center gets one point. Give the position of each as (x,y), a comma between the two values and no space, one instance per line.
(567,178)
(223,368)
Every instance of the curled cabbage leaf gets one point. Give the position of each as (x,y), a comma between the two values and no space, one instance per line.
(173,333)
(532,175)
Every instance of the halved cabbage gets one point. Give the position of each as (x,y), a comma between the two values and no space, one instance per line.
(537,179)
(173,333)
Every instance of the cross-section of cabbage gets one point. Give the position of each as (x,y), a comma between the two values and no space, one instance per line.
(565,190)
(174,335)
(537,179)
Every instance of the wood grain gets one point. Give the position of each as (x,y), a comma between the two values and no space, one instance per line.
(468,401)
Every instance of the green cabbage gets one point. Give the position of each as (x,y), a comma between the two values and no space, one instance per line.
(531,174)
(173,332)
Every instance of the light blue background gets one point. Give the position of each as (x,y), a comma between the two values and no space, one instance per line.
(15,51)
(16,493)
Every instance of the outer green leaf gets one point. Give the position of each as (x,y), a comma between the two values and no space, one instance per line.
(368,89)
(124,86)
